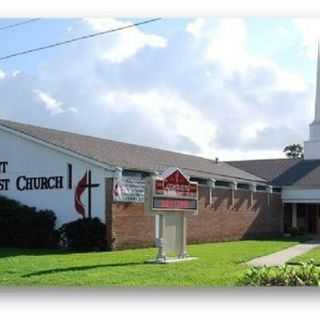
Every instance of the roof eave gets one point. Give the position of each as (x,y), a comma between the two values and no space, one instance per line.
(55,147)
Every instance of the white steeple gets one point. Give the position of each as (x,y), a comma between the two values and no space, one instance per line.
(317,111)
(312,146)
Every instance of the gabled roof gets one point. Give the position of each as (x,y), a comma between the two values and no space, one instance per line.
(284,172)
(131,156)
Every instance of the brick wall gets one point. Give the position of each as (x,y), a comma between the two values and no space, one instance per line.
(244,219)
(220,221)
(131,228)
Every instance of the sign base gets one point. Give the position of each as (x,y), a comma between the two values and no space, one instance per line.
(171,260)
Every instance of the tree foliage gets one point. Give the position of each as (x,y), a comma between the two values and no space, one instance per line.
(294,151)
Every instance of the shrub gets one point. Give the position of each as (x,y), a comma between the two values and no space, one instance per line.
(296,231)
(25,227)
(304,274)
(84,234)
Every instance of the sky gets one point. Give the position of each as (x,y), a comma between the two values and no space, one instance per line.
(232,88)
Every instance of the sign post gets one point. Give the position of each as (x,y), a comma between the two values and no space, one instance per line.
(171,197)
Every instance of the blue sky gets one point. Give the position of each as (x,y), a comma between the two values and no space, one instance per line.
(230,88)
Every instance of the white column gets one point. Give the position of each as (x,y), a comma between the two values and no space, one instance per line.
(211,184)
(269,191)
(233,188)
(253,188)
(294,216)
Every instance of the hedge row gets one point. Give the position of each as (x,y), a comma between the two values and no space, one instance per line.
(25,227)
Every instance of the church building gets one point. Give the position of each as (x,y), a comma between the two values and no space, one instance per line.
(82,176)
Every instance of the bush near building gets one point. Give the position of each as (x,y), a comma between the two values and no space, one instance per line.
(26,227)
(84,234)
(303,274)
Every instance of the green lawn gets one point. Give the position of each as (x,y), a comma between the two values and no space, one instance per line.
(312,254)
(218,264)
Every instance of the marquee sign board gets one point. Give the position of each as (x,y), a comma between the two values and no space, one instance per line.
(171,192)
(170,197)
(129,189)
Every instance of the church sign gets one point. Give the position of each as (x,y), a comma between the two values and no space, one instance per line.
(172,192)
(175,192)
(129,189)
(171,197)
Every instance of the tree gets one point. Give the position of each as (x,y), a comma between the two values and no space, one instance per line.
(294,151)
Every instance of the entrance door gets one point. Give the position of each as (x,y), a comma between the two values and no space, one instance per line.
(287,217)
(312,218)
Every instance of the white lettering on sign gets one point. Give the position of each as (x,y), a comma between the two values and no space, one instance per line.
(129,189)
(162,187)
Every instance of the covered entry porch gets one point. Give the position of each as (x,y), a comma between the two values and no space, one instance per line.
(301,209)
(302,217)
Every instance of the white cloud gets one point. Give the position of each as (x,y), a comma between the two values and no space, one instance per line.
(171,114)
(2,74)
(15,73)
(206,94)
(127,43)
(196,27)
(246,154)
(73,109)
(310,31)
(51,104)
(251,131)
(226,42)
(227,45)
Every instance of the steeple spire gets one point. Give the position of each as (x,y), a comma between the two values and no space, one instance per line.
(317,111)
(312,146)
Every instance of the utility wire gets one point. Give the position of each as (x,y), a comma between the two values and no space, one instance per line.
(18,24)
(88,36)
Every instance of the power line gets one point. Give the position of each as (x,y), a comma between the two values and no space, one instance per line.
(19,24)
(88,36)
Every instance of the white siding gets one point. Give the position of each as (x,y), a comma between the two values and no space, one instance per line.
(31,159)
(291,195)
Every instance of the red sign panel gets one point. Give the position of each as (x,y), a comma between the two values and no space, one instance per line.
(176,185)
(169,203)
(174,192)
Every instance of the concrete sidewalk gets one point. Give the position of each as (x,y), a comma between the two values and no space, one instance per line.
(281,257)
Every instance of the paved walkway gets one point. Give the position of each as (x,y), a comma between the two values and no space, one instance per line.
(281,257)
